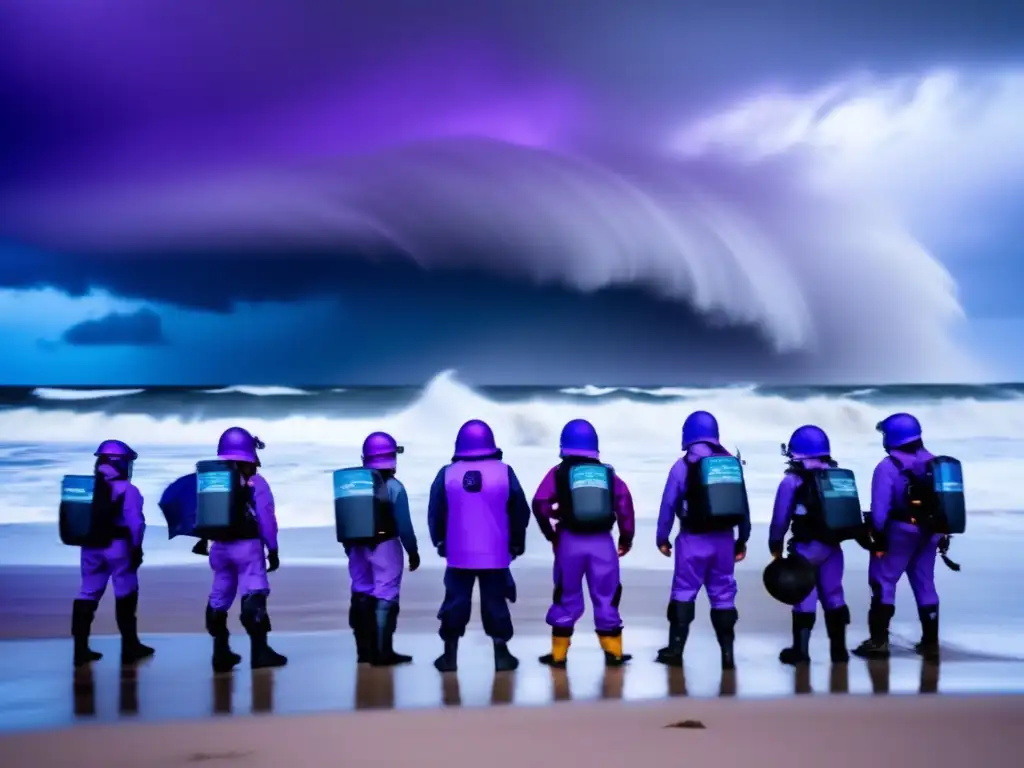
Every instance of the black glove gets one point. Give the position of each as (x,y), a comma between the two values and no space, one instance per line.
(863,538)
(624,546)
(442,551)
(775,548)
(516,550)
(943,545)
(202,547)
(739,548)
(136,558)
(273,560)
(879,542)
(414,561)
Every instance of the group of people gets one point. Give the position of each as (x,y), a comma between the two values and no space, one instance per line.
(478,515)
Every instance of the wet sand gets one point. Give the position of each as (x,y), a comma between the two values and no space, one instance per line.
(983,652)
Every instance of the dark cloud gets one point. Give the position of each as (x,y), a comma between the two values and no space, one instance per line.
(137,329)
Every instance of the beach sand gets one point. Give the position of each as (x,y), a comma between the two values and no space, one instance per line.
(159,707)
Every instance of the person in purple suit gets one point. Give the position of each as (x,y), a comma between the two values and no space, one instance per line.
(119,561)
(477,515)
(809,449)
(584,499)
(902,544)
(240,565)
(376,569)
(706,551)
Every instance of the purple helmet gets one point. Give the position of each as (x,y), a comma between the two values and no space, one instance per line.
(700,427)
(898,430)
(380,451)
(116,449)
(475,439)
(579,438)
(808,442)
(236,444)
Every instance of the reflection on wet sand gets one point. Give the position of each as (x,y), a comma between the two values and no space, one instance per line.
(676,681)
(560,687)
(223,693)
(375,687)
(128,693)
(83,692)
(177,688)
(262,691)
(502,688)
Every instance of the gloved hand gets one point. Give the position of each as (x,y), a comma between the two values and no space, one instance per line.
(516,550)
(414,561)
(879,543)
(202,547)
(665,549)
(442,550)
(274,561)
(624,546)
(136,558)
(775,548)
(943,544)
(739,550)
(864,540)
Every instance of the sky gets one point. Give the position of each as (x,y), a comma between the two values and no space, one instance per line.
(320,192)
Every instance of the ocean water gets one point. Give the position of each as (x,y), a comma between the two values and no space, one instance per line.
(46,433)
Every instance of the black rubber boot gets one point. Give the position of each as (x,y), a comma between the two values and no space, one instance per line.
(877,645)
(799,653)
(257,623)
(363,620)
(125,611)
(82,614)
(836,622)
(386,622)
(724,623)
(449,660)
(224,659)
(929,645)
(504,661)
(680,617)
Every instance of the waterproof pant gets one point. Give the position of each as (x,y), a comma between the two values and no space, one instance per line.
(113,563)
(594,557)
(705,560)
(497,589)
(829,589)
(909,552)
(377,570)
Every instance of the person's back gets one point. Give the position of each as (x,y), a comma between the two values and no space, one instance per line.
(375,567)
(477,517)
(116,555)
(798,506)
(577,505)
(705,492)
(237,556)
(902,543)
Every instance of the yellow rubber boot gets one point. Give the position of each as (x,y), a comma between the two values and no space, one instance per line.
(612,647)
(559,652)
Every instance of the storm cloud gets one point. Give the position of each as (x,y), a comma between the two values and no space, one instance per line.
(462,165)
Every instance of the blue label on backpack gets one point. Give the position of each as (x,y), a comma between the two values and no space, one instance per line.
(588,476)
(77,489)
(718,470)
(840,485)
(213,482)
(948,477)
(353,482)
